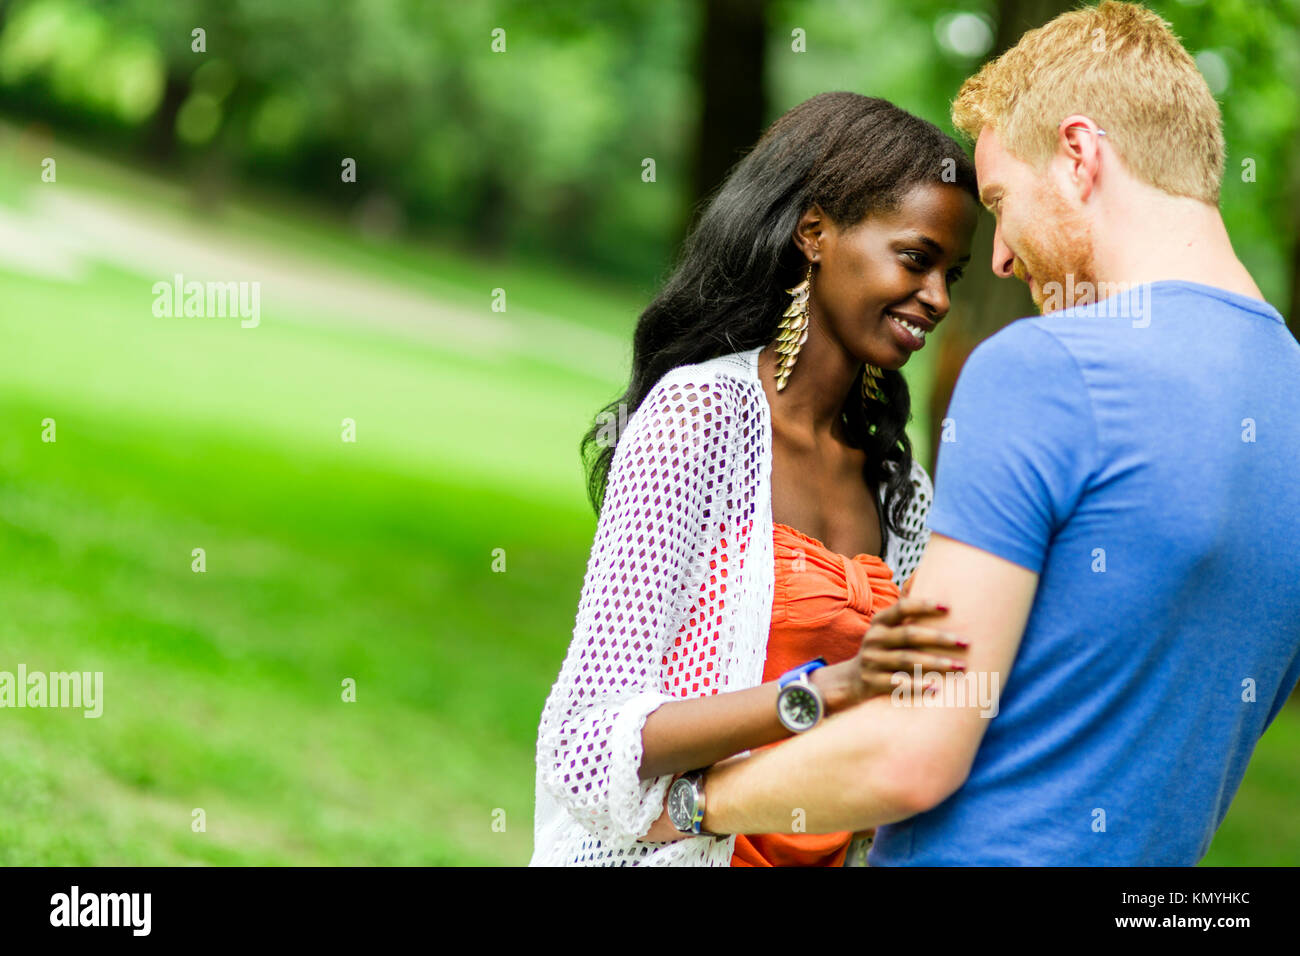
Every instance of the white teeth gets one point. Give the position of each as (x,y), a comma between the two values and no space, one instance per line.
(918,332)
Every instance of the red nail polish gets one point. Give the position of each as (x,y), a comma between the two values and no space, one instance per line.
(941,607)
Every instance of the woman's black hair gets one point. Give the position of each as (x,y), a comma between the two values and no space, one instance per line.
(853,156)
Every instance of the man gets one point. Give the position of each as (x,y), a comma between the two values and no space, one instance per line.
(1116,526)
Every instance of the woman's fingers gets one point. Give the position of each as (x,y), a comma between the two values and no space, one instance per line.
(912,635)
(908,607)
(891,661)
(881,683)
(892,652)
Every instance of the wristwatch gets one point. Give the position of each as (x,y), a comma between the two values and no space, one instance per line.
(686,804)
(799,704)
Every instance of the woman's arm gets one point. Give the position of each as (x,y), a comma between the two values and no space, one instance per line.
(683,735)
(648,533)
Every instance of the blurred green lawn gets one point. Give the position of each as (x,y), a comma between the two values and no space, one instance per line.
(325,560)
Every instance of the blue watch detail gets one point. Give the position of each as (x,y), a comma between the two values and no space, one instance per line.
(801,671)
(799,705)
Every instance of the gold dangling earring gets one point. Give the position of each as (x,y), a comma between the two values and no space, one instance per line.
(793,330)
(871,376)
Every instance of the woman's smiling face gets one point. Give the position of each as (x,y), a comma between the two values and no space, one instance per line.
(881,285)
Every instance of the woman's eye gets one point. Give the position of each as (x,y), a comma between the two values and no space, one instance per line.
(955,274)
(918,257)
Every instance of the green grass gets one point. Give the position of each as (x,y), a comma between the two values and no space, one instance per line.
(1262,827)
(325,560)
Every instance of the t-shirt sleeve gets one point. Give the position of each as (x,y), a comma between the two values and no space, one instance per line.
(1017,447)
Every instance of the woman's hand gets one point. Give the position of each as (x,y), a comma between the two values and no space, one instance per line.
(891,651)
(662,830)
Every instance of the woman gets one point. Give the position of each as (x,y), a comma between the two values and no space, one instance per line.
(764,445)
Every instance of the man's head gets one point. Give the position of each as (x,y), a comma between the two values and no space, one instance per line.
(1074,121)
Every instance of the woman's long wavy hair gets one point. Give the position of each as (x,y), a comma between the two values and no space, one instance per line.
(851,155)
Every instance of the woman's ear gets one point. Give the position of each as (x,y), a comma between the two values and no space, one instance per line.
(808,232)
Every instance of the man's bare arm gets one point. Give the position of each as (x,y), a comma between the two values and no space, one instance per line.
(880,762)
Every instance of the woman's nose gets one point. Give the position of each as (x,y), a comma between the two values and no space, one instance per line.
(935,295)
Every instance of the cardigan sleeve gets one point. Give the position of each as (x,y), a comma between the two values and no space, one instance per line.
(904,554)
(659,498)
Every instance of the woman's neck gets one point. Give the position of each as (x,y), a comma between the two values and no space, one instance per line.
(812,401)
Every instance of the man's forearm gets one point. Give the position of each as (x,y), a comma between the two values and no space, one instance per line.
(844,775)
(880,762)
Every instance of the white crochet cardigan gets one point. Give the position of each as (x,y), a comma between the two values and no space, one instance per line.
(676,603)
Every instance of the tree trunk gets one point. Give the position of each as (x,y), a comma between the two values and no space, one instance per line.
(1293,316)
(161,144)
(1293,311)
(731,72)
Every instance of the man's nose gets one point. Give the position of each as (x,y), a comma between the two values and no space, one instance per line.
(1003,258)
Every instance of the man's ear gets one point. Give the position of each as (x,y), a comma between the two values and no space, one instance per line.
(1078,142)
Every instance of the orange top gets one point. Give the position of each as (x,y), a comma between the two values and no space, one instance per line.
(822,604)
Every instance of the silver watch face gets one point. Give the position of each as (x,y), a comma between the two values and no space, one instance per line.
(798,707)
(681,804)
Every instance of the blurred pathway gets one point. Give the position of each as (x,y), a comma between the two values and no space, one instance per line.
(64,229)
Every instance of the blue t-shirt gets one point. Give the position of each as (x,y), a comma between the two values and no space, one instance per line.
(1143,464)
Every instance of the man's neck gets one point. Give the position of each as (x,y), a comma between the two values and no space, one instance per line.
(1161,237)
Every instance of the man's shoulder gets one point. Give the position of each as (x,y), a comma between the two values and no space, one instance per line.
(1109,322)
(1026,379)
(1031,345)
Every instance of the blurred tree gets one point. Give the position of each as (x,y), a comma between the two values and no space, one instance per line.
(1293,314)
(1293,317)
(538,148)
(162,128)
(171,29)
(731,72)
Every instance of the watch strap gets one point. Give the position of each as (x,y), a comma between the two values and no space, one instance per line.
(696,780)
(802,670)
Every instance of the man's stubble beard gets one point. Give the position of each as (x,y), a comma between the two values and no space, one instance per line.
(1059,246)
